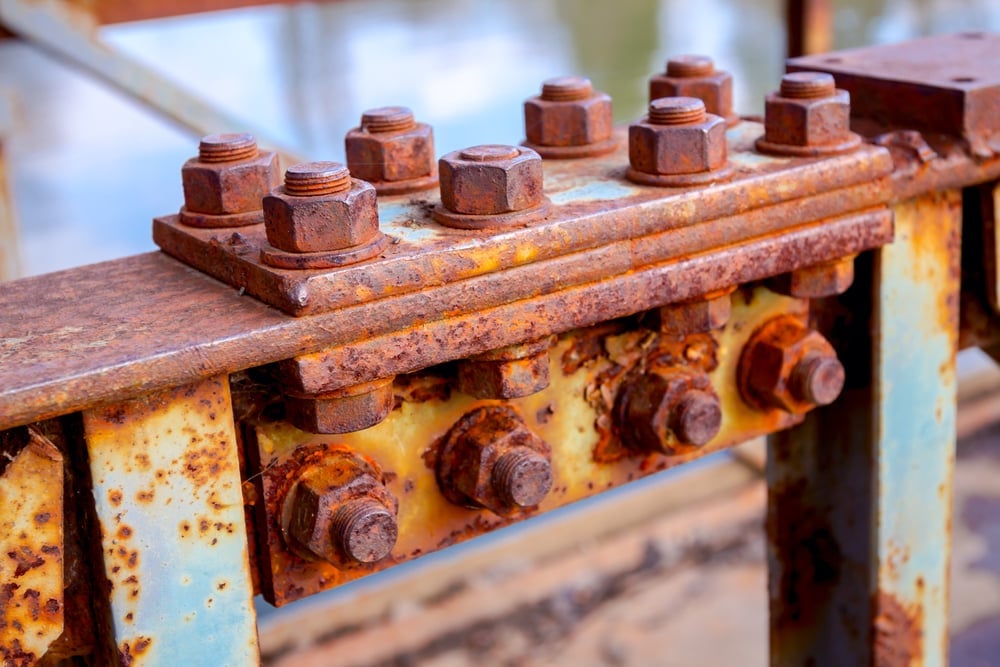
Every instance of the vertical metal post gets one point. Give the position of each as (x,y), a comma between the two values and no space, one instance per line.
(809,25)
(166,482)
(860,495)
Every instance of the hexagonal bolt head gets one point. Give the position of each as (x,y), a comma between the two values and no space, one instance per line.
(787,366)
(668,411)
(813,282)
(320,208)
(390,146)
(696,76)
(568,113)
(510,372)
(491,180)
(491,459)
(807,111)
(338,510)
(677,137)
(346,410)
(697,316)
(229,176)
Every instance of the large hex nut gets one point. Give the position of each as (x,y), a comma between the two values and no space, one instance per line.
(568,113)
(678,149)
(696,76)
(788,366)
(345,410)
(509,372)
(226,188)
(807,122)
(339,510)
(491,459)
(491,180)
(668,411)
(321,222)
(813,282)
(381,152)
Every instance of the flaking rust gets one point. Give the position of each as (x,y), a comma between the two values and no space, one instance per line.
(31,547)
(574,415)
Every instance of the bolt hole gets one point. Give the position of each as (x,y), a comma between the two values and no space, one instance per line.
(972,35)
(833,61)
(963,79)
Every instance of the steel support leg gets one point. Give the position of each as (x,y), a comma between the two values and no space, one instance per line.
(860,495)
(167,487)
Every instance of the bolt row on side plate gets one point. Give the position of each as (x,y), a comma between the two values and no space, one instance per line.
(338,509)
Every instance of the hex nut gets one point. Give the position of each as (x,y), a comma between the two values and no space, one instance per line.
(491,180)
(696,76)
(491,459)
(818,281)
(345,410)
(509,372)
(568,113)
(226,188)
(695,316)
(338,510)
(808,111)
(673,149)
(788,366)
(322,222)
(390,152)
(668,411)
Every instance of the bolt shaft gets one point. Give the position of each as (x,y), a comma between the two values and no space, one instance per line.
(807,85)
(227,147)
(522,477)
(690,66)
(387,119)
(364,530)
(567,89)
(676,111)
(311,179)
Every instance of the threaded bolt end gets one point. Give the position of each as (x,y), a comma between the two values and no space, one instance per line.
(807,85)
(387,119)
(696,418)
(311,179)
(567,89)
(522,477)
(676,111)
(689,66)
(227,147)
(489,153)
(364,530)
(817,379)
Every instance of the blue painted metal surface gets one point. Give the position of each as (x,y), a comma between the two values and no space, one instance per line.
(915,380)
(166,482)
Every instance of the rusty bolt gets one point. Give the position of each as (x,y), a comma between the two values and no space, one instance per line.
(346,410)
(224,185)
(320,208)
(807,116)
(677,137)
(701,315)
(392,151)
(508,372)
(491,180)
(569,115)
(813,282)
(788,366)
(491,459)
(696,76)
(668,410)
(339,510)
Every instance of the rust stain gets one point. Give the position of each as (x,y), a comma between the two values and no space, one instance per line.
(31,546)
(898,632)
